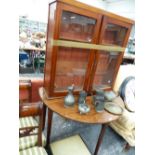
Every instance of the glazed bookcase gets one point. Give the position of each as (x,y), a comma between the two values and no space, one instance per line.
(85,47)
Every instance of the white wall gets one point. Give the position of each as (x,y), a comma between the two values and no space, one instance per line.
(96,3)
(124,8)
(38,9)
(34,9)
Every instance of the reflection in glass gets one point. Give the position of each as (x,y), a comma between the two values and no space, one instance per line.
(105,69)
(70,68)
(114,35)
(76,27)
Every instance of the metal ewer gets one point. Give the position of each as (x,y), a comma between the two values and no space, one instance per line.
(69,100)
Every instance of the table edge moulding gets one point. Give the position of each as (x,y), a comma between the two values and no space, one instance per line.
(57,105)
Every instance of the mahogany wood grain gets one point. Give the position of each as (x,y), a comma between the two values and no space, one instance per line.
(41,124)
(118,22)
(93,9)
(31,127)
(120,58)
(97,17)
(57,105)
(106,21)
(56,32)
(81,12)
(24,91)
(30,109)
(49,49)
(52,52)
(89,72)
(44,108)
(53,59)
(122,24)
(50,117)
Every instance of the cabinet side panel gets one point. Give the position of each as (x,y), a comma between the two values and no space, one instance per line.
(49,47)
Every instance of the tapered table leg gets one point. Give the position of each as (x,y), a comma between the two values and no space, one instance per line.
(100,139)
(44,116)
(49,125)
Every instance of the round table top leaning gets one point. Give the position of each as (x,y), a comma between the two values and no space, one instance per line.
(72,113)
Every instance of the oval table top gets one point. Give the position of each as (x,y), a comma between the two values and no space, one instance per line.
(72,113)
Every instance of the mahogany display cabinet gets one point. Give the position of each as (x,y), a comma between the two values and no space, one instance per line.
(85,47)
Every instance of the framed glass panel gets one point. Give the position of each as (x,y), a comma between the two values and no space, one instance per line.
(105,70)
(70,68)
(76,27)
(114,34)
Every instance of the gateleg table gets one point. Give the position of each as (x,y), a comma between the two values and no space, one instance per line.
(57,105)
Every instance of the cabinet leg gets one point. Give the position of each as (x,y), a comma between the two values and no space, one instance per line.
(100,139)
(49,126)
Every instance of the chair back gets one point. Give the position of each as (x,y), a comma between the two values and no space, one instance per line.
(29,109)
(24,91)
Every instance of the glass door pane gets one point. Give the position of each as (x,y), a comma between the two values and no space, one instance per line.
(114,34)
(71,68)
(105,70)
(76,27)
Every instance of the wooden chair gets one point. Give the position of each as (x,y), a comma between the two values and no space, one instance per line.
(28,120)
(25,97)
(31,142)
(24,91)
(28,93)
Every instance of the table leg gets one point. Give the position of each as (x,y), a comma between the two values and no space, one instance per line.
(127,147)
(50,116)
(100,139)
(44,116)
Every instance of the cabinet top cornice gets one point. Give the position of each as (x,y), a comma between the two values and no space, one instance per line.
(94,9)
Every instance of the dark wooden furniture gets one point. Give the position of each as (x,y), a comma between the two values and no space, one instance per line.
(28,93)
(28,90)
(28,109)
(35,148)
(24,91)
(57,105)
(85,47)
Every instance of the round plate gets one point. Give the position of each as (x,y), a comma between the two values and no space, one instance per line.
(113,108)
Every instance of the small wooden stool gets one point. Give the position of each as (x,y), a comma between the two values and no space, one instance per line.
(69,146)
